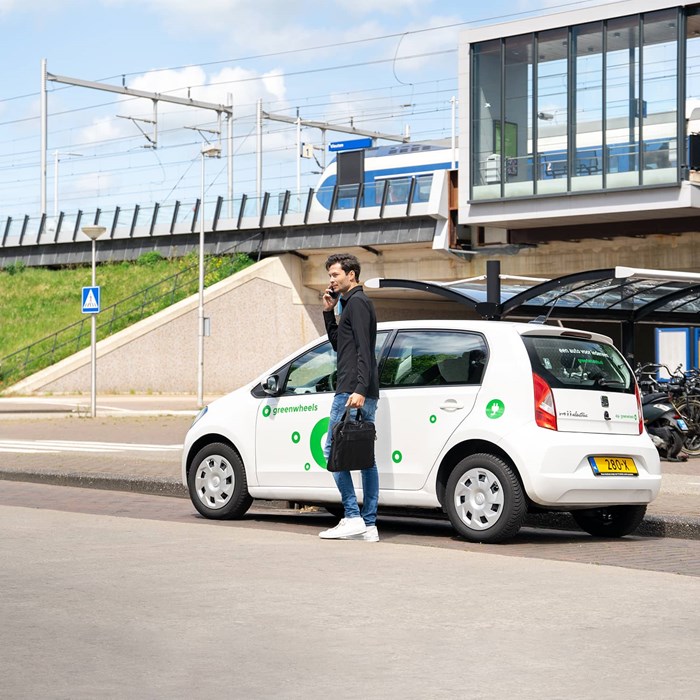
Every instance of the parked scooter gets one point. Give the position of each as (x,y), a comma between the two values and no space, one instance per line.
(666,427)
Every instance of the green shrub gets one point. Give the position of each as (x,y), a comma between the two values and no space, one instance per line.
(150,259)
(15,268)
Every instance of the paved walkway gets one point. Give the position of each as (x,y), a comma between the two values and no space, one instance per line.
(138,440)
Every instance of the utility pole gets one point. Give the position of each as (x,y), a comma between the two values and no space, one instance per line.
(44,136)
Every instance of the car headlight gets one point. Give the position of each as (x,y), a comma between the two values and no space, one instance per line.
(199,415)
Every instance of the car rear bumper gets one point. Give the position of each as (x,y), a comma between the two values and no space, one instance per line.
(557,471)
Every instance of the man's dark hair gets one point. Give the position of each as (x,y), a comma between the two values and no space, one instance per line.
(347,262)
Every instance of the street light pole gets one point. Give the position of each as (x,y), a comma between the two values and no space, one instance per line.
(93,233)
(208,151)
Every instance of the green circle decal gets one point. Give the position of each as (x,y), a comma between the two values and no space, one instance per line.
(316,441)
(295,437)
(396,456)
(307,466)
(495,408)
(433,419)
(266,411)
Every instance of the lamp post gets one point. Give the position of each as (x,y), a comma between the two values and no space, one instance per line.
(208,151)
(93,233)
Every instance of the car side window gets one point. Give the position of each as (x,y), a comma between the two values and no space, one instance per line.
(315,371)
(434,358)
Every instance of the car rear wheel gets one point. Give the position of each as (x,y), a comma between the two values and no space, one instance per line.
(611,521)
(217,483)
(484,499)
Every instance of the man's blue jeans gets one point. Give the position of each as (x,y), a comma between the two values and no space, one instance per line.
(370,476)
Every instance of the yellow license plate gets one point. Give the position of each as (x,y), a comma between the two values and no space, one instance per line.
(613,466)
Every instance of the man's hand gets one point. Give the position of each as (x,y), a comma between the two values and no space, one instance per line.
(329,303)
(355,401)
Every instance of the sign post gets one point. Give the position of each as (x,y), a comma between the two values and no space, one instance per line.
(91,305)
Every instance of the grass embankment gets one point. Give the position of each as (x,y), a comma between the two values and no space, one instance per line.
(37,303)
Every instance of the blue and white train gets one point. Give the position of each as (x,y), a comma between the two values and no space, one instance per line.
(386,174)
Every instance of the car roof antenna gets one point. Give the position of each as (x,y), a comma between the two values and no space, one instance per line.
(541,319)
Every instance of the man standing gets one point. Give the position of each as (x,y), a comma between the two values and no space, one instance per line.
(353,337)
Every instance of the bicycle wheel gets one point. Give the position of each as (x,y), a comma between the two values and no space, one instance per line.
(690,411)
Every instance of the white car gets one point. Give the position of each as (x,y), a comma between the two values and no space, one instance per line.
(484,420)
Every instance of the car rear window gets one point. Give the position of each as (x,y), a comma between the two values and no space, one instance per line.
(576,363)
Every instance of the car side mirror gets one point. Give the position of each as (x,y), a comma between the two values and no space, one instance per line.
(271,385)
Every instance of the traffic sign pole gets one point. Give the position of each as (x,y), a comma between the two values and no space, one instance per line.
(93,344)
(91,304)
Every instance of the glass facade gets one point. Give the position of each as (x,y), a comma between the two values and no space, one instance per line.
(582,108)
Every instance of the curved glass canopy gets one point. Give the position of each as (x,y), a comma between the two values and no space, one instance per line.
(615,294)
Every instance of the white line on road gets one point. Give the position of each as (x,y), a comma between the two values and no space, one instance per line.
(27,451)
(28,446)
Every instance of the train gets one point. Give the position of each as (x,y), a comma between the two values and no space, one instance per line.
(386,173)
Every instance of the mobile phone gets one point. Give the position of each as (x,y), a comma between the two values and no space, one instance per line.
(333,294)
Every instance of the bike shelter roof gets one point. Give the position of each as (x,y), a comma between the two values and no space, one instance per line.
(623,294)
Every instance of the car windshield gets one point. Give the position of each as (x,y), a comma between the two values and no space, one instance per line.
(577,363)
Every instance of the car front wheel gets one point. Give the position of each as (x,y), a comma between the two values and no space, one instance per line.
(484,499)
(217,483)
(611,521)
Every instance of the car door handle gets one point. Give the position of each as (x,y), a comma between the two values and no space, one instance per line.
(451,405)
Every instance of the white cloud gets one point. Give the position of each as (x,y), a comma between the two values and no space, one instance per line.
(101,129)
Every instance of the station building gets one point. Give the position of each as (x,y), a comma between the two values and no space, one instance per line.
(579,125)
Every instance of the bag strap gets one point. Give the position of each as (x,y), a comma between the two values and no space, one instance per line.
(346,417)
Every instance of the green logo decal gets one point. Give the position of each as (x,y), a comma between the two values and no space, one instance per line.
(396,456)
(295,437)
(495,408)
(307,466)
(433,419)
(316,441)
(266,411)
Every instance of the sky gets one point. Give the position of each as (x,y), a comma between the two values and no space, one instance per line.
(387,66)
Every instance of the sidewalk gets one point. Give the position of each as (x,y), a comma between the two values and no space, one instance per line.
(162,421)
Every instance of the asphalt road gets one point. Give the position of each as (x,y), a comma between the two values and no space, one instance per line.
(117,595)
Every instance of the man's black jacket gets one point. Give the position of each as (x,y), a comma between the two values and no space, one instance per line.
(354,337)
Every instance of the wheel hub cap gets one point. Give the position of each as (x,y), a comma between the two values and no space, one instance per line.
(479,499)
(214,482)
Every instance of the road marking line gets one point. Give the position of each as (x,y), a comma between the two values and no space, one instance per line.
(28,451)
(77,446)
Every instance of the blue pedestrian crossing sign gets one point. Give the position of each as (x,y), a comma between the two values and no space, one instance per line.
(91,300)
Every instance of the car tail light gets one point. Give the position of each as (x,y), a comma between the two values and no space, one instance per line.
(545,412)
(639,409)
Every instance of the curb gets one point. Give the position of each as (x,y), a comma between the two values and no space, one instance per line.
(673,526)
(153,485)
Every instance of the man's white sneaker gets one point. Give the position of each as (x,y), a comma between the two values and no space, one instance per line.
(345,528)
(371,534)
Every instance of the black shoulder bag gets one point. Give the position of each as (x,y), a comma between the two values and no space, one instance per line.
(352,446)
